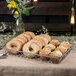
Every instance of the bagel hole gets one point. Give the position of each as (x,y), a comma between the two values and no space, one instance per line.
(30,49)
(13,46)
(42,47)
(52,50)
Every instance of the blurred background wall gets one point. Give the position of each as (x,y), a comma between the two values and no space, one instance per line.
(53,14)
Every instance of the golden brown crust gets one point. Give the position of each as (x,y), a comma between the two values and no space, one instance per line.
(31,47)
(55,42)
(66,44)
(62,49)
(46,52)
(23,37)
(30,33)
(40,40)
(27,36)
(55,53)
(51,46)
(18,42)
(46,36)
(15,45)
(20,39)
(44,39)
(38,43)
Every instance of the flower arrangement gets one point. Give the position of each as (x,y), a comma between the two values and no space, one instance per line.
(19,7)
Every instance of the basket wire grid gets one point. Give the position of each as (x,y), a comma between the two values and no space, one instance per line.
(56,59)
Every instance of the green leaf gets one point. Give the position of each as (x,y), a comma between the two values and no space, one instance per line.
(19,9)
(29,8)
(8,1)
(16,1)
(13,11)
(26,12)
(16,16)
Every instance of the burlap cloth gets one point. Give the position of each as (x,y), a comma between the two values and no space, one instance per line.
(18,66)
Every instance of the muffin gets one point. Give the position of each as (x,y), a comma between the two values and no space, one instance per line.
(57,54)
(55,42)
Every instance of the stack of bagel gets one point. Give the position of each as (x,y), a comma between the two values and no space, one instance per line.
(36,44)
(49,48)
(31,45)
(17,42)
(54,49)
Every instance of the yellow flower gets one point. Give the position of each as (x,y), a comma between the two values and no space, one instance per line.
(16,13)
(12,4)
(9,5)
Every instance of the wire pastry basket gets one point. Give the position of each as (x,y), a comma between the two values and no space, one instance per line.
(55,60)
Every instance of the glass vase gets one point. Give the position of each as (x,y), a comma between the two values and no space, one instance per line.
(19,25)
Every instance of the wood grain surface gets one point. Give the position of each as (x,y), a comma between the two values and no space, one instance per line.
(53,14)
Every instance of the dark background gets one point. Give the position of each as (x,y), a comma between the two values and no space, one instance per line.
(53,14)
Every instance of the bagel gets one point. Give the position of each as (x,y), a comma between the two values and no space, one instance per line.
(40,40)
(15,45)
(38,43)
(43,38)
(20,39)
(62,49)
(46,52)
(51,46)
(27,36)
(46,36)
(23,37)
(56,54)
(30,33)
(66,44)
(31,47)
(55,42)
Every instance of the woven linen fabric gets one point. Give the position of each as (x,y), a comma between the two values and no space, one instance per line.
(19,66)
